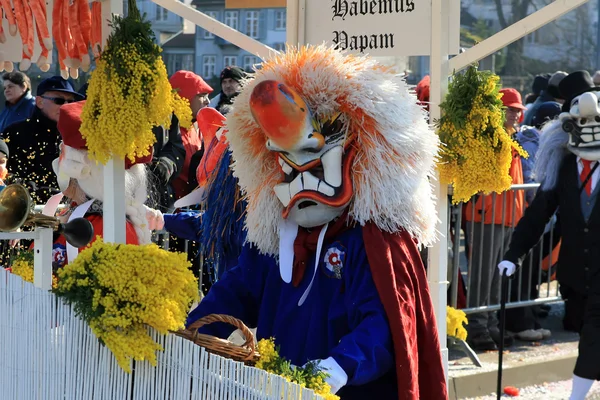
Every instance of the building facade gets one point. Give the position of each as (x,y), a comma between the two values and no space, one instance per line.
(165,24)
(264,21)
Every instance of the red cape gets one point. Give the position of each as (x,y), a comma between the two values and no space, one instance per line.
(401,281)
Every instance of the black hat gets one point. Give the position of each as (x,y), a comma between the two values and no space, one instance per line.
(3,147)
(546,112)
(540,83)
(235,73)
(57,84)
(575,84)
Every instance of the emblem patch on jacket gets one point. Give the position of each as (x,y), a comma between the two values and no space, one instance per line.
(333,261)
(59,255)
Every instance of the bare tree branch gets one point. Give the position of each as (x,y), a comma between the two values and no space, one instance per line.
(500,12)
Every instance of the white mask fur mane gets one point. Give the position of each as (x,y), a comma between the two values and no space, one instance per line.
(548,159)
(396,147)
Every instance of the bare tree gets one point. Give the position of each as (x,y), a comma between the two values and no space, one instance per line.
(579,40)
(519,10)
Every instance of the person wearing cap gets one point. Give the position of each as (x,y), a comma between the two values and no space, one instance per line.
(231,78)
(489,224)
(80,181)
(551,93)
(19,101)
(193,88)
(34,143)
(540,83)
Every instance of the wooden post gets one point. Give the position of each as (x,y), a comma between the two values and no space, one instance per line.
(114,170)
(438,253)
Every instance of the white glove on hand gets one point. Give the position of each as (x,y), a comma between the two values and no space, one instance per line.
(155,219)
(507,266)
(337,376)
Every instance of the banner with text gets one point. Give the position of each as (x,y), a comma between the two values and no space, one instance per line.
(378,27)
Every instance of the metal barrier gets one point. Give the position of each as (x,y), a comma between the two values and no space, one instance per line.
(479,243)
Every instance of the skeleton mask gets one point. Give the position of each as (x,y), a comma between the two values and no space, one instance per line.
(582,122)
(581,115)
(313,152)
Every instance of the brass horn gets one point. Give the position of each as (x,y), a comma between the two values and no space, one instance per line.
(16,210)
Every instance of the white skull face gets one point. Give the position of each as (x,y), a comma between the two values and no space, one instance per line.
(582,122)
(313,154)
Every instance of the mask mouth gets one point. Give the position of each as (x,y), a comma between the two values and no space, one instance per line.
(306,204)
(328,183)
(587,135)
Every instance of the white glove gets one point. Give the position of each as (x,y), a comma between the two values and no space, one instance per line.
(507,266)
(337,376)
(155,219)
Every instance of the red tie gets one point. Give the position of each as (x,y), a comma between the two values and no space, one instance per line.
(587,168)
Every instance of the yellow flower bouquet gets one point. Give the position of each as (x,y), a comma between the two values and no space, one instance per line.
(455,323)
(22,265)
(476,151)
(129,93)
(309,376)
(121,290)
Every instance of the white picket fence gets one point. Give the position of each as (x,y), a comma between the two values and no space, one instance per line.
(47,353)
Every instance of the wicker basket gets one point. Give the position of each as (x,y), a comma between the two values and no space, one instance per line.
(245,353)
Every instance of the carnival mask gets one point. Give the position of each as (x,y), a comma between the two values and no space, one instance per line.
(582,122)
(314,154)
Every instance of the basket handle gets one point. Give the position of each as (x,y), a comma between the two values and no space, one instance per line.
(209,319)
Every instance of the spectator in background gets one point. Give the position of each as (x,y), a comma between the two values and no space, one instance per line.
(192,87)
(550,93)
(19,101)
(230,88)
(167,163)
(34,143)
(540,83)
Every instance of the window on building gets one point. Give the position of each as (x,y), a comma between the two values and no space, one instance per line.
(249,62)
(209,66)
(229,61)
(231,19)
(162,14)
(252,24)
(177,62)
(212,14)
(280,20)
(279,46)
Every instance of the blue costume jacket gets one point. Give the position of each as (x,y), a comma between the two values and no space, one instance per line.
(342,317)
(188,226)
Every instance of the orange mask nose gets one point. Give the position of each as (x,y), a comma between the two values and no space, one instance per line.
(281,113)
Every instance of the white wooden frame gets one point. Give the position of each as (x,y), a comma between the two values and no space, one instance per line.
(440,69)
